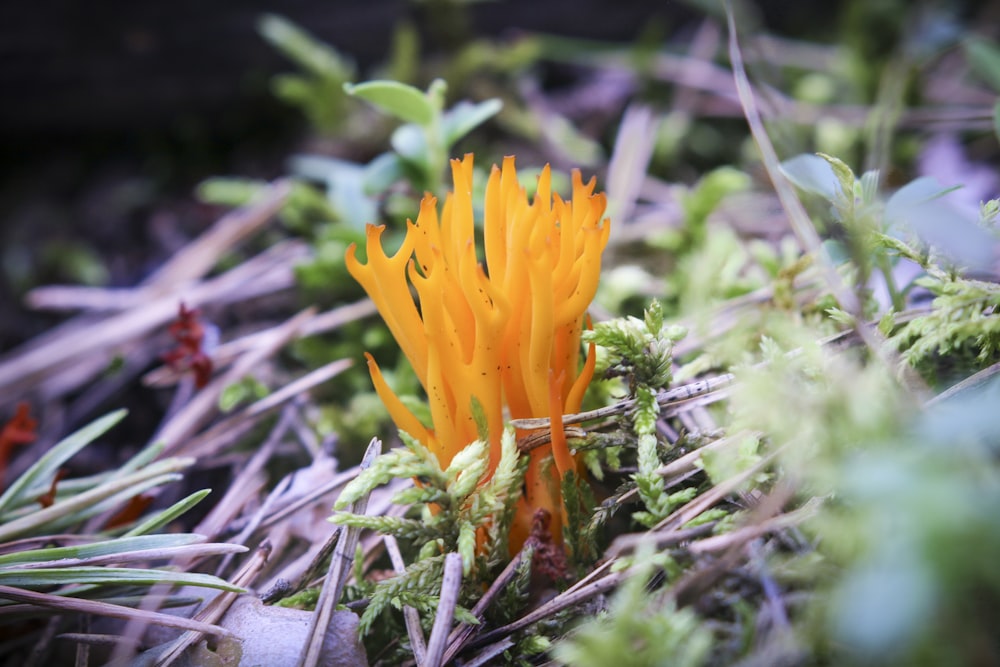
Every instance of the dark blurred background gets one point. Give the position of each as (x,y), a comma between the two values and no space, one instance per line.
(113,110)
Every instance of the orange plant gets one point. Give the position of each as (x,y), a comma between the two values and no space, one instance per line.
(505,338)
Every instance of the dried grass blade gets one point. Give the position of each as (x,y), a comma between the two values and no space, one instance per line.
(460,635)
(64,604)
(343,556)
(410,615)
(451,582)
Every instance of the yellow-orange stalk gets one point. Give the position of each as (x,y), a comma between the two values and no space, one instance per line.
(509,338)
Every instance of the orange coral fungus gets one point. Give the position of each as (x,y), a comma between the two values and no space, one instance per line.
(506,337)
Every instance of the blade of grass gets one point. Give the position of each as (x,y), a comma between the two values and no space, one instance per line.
(188,551)
(800,222)
(161,519)
(337,574)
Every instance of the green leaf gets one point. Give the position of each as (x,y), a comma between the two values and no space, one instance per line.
(843,173)
(310,53)
(161,519)
(399,99)
(228,190)
(70,509)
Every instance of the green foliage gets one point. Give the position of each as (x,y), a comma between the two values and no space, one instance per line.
(317,90)
(914,527)
(245,390)
(418,587)
(579,532)
(961,322)
(639,350)
(454,504)
(642,351)
(723,465)
(817,406)
(422,146)
(639,628)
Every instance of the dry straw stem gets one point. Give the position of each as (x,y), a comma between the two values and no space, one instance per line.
(71,356)
(664,399)
(699,73)
(63,604)
(230,429)
(688,463)
(460,635)
(410,615)
(228,351)
(451,583)
(336,576)
(597,582)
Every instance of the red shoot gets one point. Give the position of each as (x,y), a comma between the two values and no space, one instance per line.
(550,558)
(48,498)
(132,511)
(20,430)
(189,334)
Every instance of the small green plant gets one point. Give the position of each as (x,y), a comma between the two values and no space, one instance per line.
(316,90)
(451,510)
(640,627)
(642,352)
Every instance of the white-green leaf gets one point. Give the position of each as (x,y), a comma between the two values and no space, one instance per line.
(812,174)
(161,519)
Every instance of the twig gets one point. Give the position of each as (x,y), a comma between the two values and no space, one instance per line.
(198,257)
(233,427)
(664,398)
(747,533)
(490,652)
(215,609)
(410,615)
(461,634)
(572,597)
(337,574)
(974,380)
(45,361)
(451,582)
